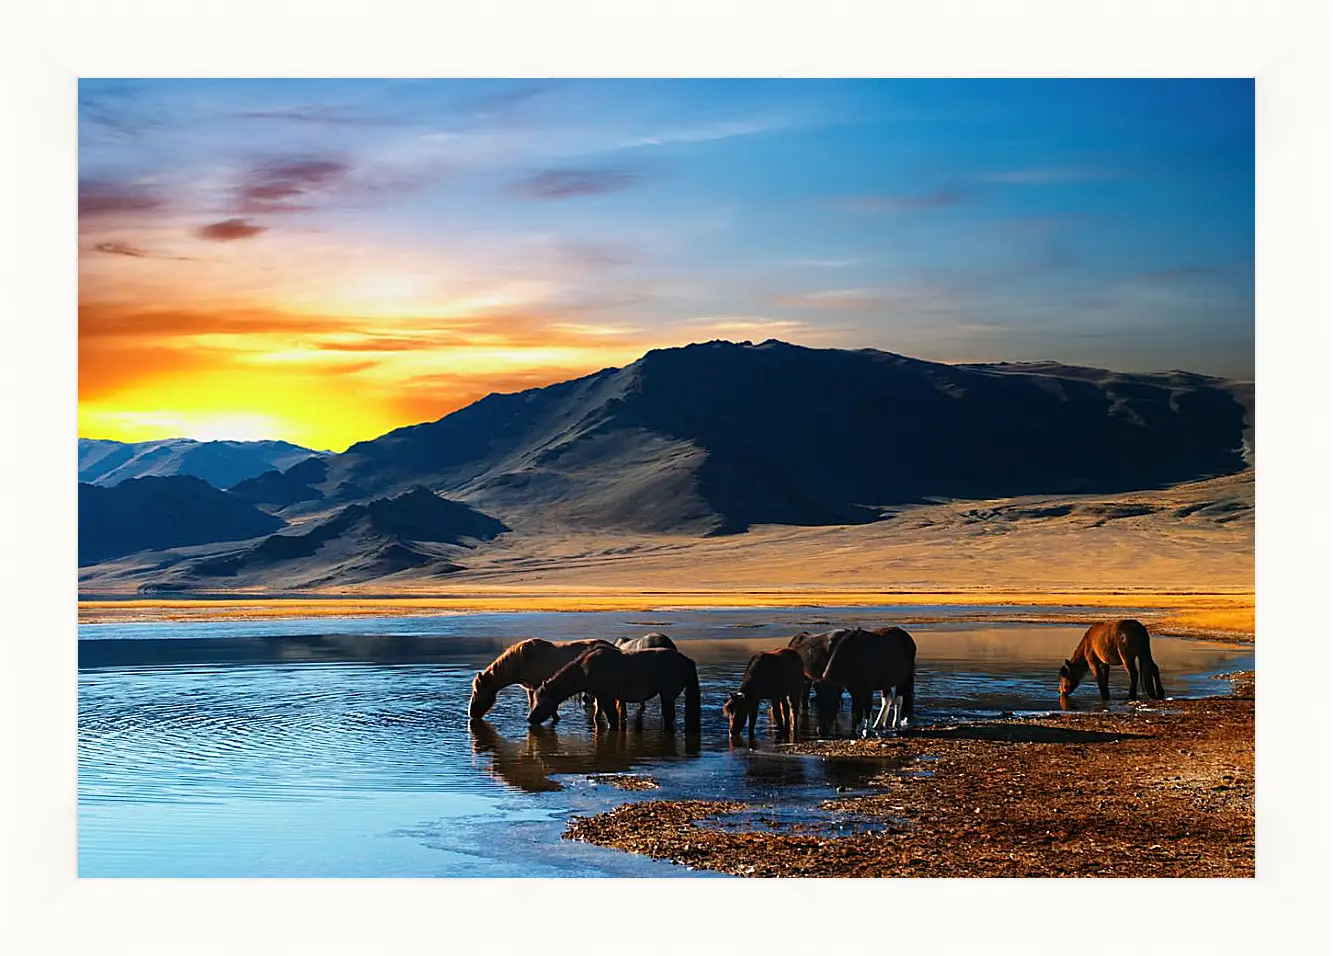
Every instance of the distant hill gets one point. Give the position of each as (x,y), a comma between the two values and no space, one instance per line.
(717,437)
(155,513)
(417,529)
(220,463)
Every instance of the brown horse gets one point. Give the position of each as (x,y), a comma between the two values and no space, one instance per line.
(778,676)
(528,663)
(630,645)
(611,677)
(1113,642)
(865,661)
(814,650)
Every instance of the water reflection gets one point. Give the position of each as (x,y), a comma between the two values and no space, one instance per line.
(529,762)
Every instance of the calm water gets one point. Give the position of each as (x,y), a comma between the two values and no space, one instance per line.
(342,748)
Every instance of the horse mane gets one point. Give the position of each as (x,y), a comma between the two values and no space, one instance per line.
(511,656)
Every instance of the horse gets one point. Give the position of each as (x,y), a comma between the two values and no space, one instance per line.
(778,676)
(814,650)
(630,645)
(1123,641)
(611,676)
(863,661)
(529,663)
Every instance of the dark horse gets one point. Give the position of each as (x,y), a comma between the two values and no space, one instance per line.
(528,663)
(631,645)
(611,676)
(863,662)
(778,676)
(814,650)
(1113,642)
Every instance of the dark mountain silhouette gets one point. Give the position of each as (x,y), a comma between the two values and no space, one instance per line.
(277,489)
(715,437)
(144,514)
(220,463)
(416,529)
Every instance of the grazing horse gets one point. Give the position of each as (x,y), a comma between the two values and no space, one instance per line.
(528,663)
(1113,642)
(814,650)
(611,676)
(631,645)
(778,676)
(863,662)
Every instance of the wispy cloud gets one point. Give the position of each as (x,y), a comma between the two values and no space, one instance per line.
(229,230)
(831,299)
(116,247)
(315,116)
(901,203)
(574,183)
(110,198)
(286,186)
(703,134)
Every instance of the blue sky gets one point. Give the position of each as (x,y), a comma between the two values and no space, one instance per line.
(448,238)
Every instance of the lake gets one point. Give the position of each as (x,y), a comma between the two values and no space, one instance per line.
(333,747)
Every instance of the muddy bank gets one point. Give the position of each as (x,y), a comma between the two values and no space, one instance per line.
(1164,790)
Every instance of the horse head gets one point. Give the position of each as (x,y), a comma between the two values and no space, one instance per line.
(1069,678)
(736,710)
(483,696)
(828,702)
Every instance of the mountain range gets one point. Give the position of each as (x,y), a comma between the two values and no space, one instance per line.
(715,438)
(220,463)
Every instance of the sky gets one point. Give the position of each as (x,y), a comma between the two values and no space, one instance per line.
(322,261)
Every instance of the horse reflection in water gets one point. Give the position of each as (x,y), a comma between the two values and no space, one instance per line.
(529,764)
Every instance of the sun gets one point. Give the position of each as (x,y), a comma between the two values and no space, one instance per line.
(231,427)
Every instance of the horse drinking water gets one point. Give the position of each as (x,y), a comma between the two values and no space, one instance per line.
(631,645)
(528,663)
(611,676)
(778,676)
(863,662)
(1124,641)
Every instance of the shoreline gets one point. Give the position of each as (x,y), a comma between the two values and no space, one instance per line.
(1214,615)
(1160,791)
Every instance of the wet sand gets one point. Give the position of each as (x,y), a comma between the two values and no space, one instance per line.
(1164,790)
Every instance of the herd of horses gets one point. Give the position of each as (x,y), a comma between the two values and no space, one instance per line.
(608,677)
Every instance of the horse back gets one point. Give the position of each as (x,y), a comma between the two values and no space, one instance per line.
(1114,642)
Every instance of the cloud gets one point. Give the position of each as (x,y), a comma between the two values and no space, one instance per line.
(116,247)
(703,134)
(572,183)
(315,115)
(832,299)
(903,203)
(104,198)
(229,230)
(121,249)
(284,185)
(827,263)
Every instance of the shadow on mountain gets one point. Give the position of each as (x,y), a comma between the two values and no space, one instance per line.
(142,514)
(364,541)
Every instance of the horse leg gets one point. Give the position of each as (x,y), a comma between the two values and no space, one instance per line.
(1103,672)
(1133,679)
(753,716)
(885,708)
(668,705)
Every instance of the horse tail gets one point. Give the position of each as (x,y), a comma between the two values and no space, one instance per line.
(693,706)
(1153,677)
